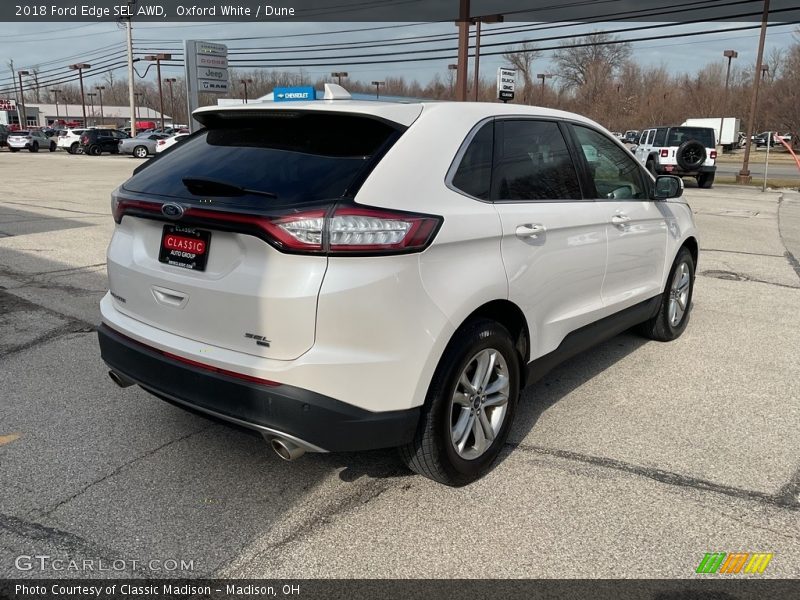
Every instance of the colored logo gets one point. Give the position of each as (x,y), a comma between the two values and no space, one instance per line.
(735,562)
(294,94)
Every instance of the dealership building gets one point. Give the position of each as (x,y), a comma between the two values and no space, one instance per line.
(43,115)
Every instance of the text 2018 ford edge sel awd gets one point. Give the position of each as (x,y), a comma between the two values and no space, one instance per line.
(345,275)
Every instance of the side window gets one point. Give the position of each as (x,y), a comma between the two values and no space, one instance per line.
(474,173)
(614,171)
(532,163)
(661,137)
(643,138)
(650,135)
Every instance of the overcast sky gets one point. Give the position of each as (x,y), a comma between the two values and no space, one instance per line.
(55,45)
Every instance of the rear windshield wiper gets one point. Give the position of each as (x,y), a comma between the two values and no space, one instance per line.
(203,186)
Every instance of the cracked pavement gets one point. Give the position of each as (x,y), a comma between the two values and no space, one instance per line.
(634,451)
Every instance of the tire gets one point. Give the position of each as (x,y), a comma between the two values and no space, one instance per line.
(52,147)
(35,147)
(705,180)
(94,150)
(651,166)
(433,452)
(140,152)
(665,327)
(690,155)
(73,149)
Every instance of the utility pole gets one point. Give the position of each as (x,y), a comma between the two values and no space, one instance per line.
(463,50)
(23,124)
(744,175)
(478,20)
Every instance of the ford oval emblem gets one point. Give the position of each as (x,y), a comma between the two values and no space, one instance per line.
(172,211)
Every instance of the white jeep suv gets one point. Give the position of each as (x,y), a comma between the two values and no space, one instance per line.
(681,151)
(344,275)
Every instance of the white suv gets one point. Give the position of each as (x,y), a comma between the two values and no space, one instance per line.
(681,150)
(344,275)
(70,140)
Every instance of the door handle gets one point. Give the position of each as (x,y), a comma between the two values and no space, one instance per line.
(620,220)
(529,230)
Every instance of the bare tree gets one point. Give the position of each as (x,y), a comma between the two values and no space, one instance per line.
(521,58)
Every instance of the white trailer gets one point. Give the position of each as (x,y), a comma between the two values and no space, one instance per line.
(730,129)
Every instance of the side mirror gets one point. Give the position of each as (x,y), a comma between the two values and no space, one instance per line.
(668,186)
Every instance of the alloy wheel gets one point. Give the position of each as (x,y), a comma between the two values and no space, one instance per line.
(479,403)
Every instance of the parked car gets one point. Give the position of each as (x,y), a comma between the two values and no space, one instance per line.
(680,150)
(142,145)
(29,140)
(343,276)
(760,139)
(170,141)
(96,141)
(70,140)
(631,136)
(4,131)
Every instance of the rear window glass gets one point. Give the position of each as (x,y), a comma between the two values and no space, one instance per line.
(299,157)
(678,135)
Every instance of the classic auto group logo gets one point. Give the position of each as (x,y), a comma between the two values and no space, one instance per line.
(736,562)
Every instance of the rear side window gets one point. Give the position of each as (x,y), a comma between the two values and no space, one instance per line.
(474,174)
(532,163)
(650,135)
(300,157)
(661,137)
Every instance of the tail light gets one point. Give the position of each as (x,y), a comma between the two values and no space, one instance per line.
(84,139)
(664,153)
(712,154)
(345,230)
(161,142)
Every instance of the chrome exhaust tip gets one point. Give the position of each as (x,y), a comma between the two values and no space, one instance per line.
(285,449)
(120,380)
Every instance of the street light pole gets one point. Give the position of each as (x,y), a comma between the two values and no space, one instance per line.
(23,123)
(55,93)
(744,175)
(244,82)
(378,85)
(100,89)
(91,99)
(170,81)
(80,67)
(339,75)
(158,58)
(730,55)
(543,76)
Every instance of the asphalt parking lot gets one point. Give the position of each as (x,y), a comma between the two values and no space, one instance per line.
(631,460)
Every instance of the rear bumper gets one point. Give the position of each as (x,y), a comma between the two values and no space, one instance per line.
(314,421)
(676,170)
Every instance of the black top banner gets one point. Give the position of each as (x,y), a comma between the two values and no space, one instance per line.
(684,11)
